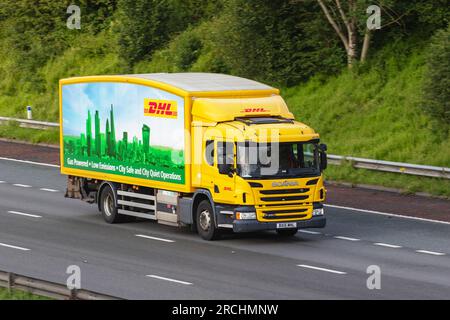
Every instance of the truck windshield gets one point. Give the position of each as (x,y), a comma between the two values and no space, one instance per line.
(275,160)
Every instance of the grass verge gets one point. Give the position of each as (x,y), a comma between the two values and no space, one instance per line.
(5,294)
(375,113)
(13,131)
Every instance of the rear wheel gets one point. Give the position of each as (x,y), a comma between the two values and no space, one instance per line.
(108,206)
(287,232)
(206,226)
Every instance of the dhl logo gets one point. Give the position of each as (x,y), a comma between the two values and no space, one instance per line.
(254,110)
(160,108)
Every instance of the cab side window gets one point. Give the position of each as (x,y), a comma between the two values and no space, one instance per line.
(209,152)
(225,157)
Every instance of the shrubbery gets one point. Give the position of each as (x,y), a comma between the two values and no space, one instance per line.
(436,88)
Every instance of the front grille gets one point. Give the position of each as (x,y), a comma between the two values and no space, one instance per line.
(284,211)
(285,198)
(284,214)
(284,191)
(283,204)
(274,217)
(290,203)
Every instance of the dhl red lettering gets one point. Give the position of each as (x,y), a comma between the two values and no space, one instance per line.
(160,108)
(152,107)
(252,110)
(168,111)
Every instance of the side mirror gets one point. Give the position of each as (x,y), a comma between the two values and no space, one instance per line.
(323,160)
(323,147)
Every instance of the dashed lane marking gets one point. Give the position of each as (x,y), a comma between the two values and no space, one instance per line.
(169,279)
(154,238)
(346,238)
(21,185)
(431,252)
(24,214)
(321,269)
(13,247)
(48,190)
(387,245)
(309,232)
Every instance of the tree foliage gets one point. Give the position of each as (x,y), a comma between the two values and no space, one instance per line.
(283,42)
(436,87)
(148,25)
(35,32)
(277,41)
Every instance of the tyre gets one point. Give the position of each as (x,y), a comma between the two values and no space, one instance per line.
(108,206)
(287,232)
(206,226)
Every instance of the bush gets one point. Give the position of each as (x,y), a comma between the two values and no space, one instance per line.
(145,26)
(436,88)
(280,42)
(188,48)
(193,50)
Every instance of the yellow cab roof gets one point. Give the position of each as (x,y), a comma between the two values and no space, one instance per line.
(293,131)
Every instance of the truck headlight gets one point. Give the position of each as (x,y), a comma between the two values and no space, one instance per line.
(317,212)
(245,215)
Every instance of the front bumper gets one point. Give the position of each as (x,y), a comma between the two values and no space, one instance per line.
(240,226)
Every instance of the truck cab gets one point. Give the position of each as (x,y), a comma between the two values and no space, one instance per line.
(261,168)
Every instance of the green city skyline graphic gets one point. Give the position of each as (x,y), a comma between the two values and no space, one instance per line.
(95,145)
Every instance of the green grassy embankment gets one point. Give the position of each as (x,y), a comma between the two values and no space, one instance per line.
(18,295)
(376,113)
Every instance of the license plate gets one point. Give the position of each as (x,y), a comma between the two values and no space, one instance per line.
(286,225)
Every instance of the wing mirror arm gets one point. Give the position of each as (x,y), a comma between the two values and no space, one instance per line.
(323,156)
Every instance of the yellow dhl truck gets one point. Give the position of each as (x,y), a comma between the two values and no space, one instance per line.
(209,151)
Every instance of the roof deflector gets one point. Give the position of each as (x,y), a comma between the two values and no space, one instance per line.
(263,120)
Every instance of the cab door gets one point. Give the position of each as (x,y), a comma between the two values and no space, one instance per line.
(208,170)
(225,168)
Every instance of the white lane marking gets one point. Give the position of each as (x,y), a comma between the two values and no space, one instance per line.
(13,247)
(320,269)
(31,162)
(346,238)
(168,279)
(48,190)
(154,238)
(24,214)
(21,185)
(387,245)
(309,232)
(431,252)
(1,181)
(386,214)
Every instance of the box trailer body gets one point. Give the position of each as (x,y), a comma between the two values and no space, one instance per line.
(176,148)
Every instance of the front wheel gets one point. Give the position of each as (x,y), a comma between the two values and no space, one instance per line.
(206,225)
(287,232)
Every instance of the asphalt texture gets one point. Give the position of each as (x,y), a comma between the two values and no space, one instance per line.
(42,233)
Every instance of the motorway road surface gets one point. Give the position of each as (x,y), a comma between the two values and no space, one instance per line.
(42,233)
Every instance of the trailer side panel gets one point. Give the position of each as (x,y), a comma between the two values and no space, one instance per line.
(123,132)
